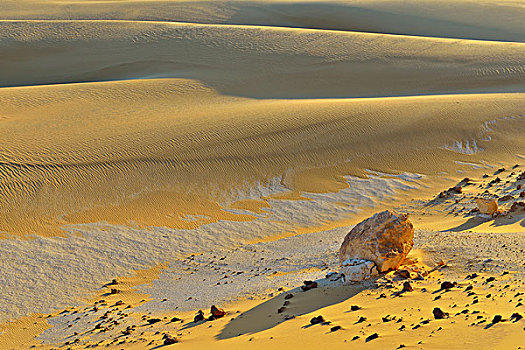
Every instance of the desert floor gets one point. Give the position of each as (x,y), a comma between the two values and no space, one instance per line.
(217,152)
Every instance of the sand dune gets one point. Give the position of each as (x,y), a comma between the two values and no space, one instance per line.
(64,153)
(257,61)
(467,19)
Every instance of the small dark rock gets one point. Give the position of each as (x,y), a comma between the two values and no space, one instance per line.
(448,285)
(372,337)
(439,314)
(317,319)
(217,312)
(308,285)
(335,328)
(407,287)
(355,308)
(199,316)
(497,319)
(170,340)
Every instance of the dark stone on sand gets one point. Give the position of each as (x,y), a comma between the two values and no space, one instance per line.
(407,287)
(355,337)
(170,340)
(199,316)
(335,328)
(317,319)
(114,291)
(516,317)
(154,320)
(176,319)
(217,312)
(448,285)
(361,319)
(497,319)
(439,314)
(372,337)
(288,296)
(281,310)
(355,308)
(490,279)
(309,285)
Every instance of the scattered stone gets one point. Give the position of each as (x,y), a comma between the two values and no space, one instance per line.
(490,279)
(448,285)
(154,320)
(385,238)
(355,337)
(317,320)
(407,287)
(281,310)
(355,308)
(372,337)
(439,314)
(176,319)
(361,319)
(114,291)
(217,312)
(170,340)
(199,316)
(403,273)
(288,296)
(335,328)
(505,198)
(516,317)
(497,319)
(308,285)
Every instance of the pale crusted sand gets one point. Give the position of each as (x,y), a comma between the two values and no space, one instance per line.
(136,134)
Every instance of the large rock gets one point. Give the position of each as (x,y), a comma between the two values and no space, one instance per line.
(385,238)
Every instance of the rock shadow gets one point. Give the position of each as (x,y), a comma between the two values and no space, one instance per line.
(265,316)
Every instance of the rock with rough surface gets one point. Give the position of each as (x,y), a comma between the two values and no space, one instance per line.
(358,269)
(385,238)
(487,206)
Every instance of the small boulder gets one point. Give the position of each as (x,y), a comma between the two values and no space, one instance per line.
(487,206)
(439,314)
(407,287)
(217,312)
(170,340)
(199,316)
(308,285)
(317,320)
(385,239)
(448,285)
